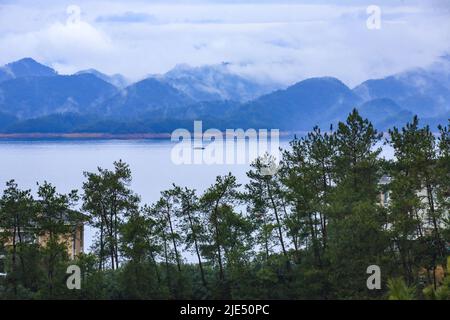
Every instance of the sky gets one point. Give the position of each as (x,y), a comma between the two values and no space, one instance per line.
(269,40)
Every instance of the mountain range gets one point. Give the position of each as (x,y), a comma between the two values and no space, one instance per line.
(34,98)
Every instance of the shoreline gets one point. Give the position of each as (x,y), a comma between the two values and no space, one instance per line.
(107,136)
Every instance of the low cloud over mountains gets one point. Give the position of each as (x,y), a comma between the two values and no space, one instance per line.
(36,99)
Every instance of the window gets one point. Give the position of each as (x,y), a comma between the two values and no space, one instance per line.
(26,237)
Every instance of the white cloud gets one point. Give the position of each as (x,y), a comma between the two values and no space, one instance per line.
(65,45)
(286,42)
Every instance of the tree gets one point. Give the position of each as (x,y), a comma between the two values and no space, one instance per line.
(443,185)
(216,203)
(107,198)
(399,290)
(55,221)
(168,238)
(17,227)
(264,192)
(167,203)
(418,208)
(356,235)
(191,224)
(136,244)
(307,173)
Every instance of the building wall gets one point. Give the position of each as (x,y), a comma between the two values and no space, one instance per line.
(74,241)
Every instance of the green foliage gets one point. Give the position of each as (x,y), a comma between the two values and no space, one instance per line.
(108,200)
(399,290)
(308,230)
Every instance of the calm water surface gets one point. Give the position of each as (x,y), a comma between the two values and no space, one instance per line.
(62,162)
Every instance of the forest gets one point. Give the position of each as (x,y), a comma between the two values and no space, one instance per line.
(310,231)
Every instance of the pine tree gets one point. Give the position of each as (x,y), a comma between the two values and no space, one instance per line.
(107,198)
(17,227)
(355,231)
(268,208)
(216,203)
(417,210)
(56,219)
(191,224)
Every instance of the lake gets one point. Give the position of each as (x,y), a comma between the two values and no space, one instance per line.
(62,162)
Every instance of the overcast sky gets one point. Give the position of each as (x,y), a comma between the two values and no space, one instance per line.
(268,39)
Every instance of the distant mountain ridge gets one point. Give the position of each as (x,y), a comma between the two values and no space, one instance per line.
(214,82)
(422,91)
(116,80)
(25,67)
(414,90)
(149,97)
(35,98)
(31,97)
(303,105)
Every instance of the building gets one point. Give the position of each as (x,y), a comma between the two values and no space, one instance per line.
(384,199)
(73,241)
(427,228)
